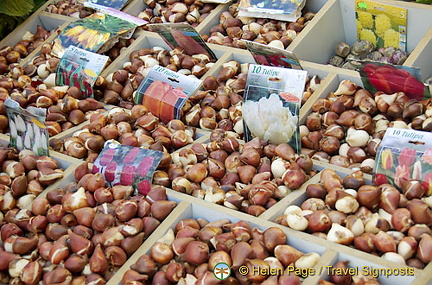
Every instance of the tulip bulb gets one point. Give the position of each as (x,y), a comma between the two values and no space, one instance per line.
(74,201)
(394,257)
(297,222)
(346,87)
(308,260)
(340,234)
(357,138)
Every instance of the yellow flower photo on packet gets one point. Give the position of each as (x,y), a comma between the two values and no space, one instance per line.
(381,24)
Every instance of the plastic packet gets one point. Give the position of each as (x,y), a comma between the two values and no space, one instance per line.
(404,159)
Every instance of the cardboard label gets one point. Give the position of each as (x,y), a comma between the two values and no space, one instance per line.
(182,35)
(405,155)
(164,92)
(271,104)
(127,165)
(381,24)
(27,128)
(92,33)
(272,56)
(80,68)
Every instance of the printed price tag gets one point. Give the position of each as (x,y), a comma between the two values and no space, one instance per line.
(164,92)
(127,165)
(80,68)
(27,128)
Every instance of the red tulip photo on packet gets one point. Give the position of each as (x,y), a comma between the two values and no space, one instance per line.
(391,79)
(404,159)
(126,165)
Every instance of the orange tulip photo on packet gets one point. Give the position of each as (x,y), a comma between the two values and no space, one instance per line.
(164,92)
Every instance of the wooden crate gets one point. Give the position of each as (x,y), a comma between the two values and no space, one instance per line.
(148,40)
(421,56)
(67,163)
(48,22)
(336,23)
(357,258)
(194,208)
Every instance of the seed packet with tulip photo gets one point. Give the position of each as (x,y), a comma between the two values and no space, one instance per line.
(27,127)
(183,35)
(164,92)
(127,165)
(271,104)
(80,68)
(404,159)
(272,56)
(393,78)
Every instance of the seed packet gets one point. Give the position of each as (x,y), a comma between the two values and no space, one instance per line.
(272,56)
(97,32)
(80,68)
(393,78)
(114,4)
(27,127)
(271,104)
(285,10)
(127,165)
(164,92)
(405,156)
(182,35)
(381,24)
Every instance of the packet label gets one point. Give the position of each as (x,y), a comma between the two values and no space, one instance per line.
(27,128)
(382,24)
(393,78)
(115,4)
(404,157)
(271,104)
(164,92)
(272,56)
(127,165)
(80,68)
(97,33)
(182,35)
(285,10)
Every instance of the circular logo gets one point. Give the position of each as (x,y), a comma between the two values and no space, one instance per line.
(222,271)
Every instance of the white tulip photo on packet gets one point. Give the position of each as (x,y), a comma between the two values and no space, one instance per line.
(27,128)
(271,104)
